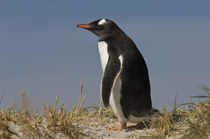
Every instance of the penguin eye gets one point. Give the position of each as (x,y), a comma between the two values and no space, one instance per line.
(99,26)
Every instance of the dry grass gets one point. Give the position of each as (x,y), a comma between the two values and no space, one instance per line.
(56,120)
(193,121)
(188,120)
(198,118)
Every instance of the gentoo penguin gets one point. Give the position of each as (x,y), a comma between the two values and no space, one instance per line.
(125,82)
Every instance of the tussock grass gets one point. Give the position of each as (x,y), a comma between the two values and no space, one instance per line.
(56,121)
(27,122)
(198,118)
(193,121)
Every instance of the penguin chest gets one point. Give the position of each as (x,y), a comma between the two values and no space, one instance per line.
(103,52)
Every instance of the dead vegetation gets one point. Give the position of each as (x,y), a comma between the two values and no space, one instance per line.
(191,120)
(186,121)
(55,122)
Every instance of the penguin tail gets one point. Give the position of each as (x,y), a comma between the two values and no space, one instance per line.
(156,113)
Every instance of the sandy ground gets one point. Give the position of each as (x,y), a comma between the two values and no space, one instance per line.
(91,131)
(102,133)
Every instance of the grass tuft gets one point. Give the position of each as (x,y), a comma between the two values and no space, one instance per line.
(198,118)
(59,120)
(191,122)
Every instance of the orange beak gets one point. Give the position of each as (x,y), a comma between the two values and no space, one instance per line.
(83,26)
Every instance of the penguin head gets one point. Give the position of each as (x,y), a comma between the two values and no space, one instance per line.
(101,27)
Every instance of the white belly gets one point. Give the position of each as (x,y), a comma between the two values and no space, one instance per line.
(103,51)
(115,96)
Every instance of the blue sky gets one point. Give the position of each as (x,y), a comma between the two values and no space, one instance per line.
(42,51)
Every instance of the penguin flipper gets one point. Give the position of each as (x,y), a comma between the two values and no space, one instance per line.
(109,77)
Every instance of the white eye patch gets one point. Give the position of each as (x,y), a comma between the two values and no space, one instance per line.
(102,21)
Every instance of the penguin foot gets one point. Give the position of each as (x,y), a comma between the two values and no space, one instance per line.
(122,126)
(114,128)
(139,125)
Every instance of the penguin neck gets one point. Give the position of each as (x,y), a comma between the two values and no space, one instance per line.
(114,34)
(106,36)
